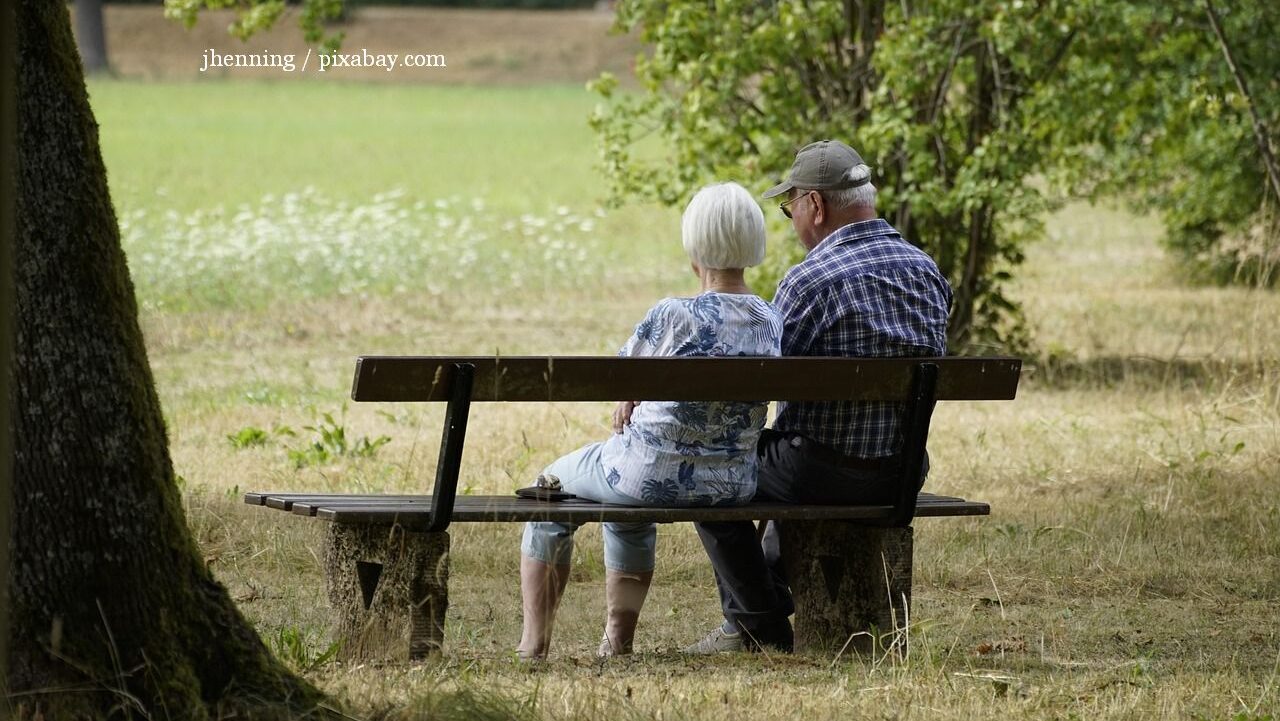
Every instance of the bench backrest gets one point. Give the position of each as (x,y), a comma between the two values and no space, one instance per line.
(609,378)
(918,383)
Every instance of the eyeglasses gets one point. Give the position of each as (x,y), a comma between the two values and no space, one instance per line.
(784,205)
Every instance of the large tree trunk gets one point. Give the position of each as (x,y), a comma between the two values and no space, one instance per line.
(8,185)
(113,610)
(91,36)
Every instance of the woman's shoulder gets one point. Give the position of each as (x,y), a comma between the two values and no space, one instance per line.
(753,306)
(759,304)
(671,307)
(715,308)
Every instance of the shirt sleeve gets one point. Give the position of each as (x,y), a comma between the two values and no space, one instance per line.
(648,335)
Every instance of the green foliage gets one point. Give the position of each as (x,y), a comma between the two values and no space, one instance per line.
(331,442)
(946,100)
(518,4)
(248,437)
(252,436)
(303,651)
(253,16)
(963,108)
(1169,128)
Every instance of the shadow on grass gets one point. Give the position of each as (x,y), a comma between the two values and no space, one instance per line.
(488,704)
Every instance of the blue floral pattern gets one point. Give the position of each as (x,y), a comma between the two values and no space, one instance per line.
(694,454)
(686,476)
(659,492)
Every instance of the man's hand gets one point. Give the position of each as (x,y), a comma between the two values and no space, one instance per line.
(622,414)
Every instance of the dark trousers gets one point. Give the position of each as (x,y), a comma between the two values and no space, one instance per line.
(754,592)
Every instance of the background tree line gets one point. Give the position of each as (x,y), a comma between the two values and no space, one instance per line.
(977,116)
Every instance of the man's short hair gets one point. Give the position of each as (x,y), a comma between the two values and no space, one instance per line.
(862,196)
(723,227)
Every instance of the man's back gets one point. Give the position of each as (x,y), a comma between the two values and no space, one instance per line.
(862,292)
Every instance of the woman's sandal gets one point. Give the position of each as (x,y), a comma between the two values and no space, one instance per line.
(545,488)
(606,649)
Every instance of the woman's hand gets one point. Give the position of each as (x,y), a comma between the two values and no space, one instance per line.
(622,414)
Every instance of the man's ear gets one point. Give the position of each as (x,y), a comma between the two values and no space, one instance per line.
(819,209)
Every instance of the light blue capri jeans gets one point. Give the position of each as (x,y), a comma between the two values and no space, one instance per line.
(628,547)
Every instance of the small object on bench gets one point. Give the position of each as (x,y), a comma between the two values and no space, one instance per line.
(850,566)
(545,488)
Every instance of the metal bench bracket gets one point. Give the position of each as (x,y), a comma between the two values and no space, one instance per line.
(461,378)
(915,435)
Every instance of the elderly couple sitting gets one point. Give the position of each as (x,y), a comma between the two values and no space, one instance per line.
(861,290)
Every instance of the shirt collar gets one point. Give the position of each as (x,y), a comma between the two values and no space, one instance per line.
(855,232)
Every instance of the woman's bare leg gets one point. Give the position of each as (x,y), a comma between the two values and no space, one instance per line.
(541,586)
(624,597)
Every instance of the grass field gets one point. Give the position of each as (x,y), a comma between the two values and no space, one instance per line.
(1130,568)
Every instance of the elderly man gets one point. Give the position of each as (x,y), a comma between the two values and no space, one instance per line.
(861,291)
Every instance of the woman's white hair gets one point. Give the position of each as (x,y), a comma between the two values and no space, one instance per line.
(863,196)
(723,227)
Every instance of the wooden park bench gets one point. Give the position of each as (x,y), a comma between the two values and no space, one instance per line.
(387,556)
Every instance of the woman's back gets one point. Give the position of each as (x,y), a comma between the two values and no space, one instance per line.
(686,453)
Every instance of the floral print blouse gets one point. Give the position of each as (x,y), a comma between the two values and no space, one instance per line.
(694,453)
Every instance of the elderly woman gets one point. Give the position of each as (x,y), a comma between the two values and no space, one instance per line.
(664,453)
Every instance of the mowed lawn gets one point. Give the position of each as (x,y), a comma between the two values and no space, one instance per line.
(1130,568)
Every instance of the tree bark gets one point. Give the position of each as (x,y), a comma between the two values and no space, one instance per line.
(8,187)
(113,611)
(91,36)
(981,240)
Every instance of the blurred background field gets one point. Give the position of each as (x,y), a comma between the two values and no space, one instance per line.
(1130,568)
(490,46)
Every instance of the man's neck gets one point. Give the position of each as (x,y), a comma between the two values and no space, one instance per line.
(849,216)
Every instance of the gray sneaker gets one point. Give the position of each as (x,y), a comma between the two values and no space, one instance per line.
(718,641)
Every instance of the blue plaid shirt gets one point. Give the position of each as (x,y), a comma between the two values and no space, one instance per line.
(862,292)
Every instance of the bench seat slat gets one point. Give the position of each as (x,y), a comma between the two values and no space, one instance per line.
(414,510)
(422,504)
(305,504)
(286,501)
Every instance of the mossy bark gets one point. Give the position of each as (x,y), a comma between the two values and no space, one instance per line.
(113,610)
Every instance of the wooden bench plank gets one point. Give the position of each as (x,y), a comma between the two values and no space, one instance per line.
(410,510)
(411,516)
(606,378)
(285,501)
(306,504)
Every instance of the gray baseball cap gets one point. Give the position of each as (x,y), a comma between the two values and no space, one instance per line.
(823,165)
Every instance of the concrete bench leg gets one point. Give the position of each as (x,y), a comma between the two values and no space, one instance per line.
(390,590)
(851,584)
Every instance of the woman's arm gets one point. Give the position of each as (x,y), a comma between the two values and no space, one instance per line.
(622,414)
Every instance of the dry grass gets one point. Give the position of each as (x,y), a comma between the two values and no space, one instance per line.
(1130,569)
